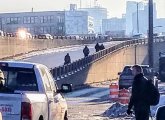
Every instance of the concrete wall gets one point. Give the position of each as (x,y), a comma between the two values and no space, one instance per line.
(12,46)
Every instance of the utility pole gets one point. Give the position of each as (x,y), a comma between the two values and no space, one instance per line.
(137,23)
(137,17)
(150,34)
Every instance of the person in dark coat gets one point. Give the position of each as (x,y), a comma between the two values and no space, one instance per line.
(102,47)
(139,95)
(86,51)
(97,47)
(67,59)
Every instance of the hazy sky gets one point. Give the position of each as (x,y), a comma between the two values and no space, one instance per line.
(115,7)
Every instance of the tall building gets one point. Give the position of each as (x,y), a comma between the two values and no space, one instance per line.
(131,7)
(115,27)
(52,22)
(98,13)
(78,23)
(142,20)
(49,22)
(160,22)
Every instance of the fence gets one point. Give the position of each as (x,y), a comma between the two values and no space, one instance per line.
(69,69)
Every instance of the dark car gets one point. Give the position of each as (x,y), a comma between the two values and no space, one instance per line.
(160,113)
(126,76)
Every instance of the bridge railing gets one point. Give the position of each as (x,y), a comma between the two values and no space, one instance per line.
(69,69)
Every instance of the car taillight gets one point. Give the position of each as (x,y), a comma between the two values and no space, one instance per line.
(26,111)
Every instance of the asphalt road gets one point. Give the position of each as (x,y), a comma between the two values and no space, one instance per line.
(56,57)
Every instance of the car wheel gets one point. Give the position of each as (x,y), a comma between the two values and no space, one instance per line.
(41,118)
(120,87)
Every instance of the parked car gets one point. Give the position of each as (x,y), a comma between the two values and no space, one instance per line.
(45,36)
(126,76)
(1,33)
(10,35)
(137,36)
(30,92)
(160,114)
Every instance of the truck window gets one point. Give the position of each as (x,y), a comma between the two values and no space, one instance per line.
(45,80)
(22,79)
(146,70)
(127,70)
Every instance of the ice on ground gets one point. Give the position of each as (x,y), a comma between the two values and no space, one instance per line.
(116,110)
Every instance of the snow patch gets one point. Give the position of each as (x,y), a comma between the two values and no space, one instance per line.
(116,110)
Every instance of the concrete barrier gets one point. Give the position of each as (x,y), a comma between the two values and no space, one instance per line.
(10,46)
(107,67)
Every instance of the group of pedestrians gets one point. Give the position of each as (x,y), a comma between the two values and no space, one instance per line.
(67,58)
(99,47)
(86,51)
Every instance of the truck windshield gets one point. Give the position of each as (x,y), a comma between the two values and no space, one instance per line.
(22,79)
(127,70)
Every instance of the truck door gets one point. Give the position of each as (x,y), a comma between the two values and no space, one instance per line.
(58,99)
(52,104)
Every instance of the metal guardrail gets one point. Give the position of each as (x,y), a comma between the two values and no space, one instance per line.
(69,69)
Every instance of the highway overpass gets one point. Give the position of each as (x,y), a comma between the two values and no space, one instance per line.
(104,65)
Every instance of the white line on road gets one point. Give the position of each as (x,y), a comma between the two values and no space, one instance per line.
(82,92)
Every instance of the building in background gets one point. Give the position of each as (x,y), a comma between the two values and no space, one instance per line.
(78,22)
(142,20)
(51,22)
(160,22)
(72,22)
(114,27)
(98,13)
(131,7)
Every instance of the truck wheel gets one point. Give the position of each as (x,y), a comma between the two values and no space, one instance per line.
(41,118)
(66,116)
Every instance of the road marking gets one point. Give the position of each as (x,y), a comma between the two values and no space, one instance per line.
(83,92)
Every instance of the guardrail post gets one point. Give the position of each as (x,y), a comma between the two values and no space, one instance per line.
(62,71)
(58,72)
(55,73)
(66,70)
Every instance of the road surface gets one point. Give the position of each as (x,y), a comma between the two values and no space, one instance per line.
(90,103)
(56,57)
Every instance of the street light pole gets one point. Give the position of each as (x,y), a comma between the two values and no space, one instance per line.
(150,34)
(137,22)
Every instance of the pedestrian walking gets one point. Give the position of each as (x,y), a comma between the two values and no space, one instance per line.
(143,95)
(67,59)
(86,51)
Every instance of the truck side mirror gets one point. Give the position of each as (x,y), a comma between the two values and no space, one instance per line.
(66,88)
(160,113)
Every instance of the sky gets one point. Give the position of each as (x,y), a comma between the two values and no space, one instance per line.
(115,7)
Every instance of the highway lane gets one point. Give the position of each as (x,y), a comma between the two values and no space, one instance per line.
(56,57)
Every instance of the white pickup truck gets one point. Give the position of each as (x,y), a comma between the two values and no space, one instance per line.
(29,92)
